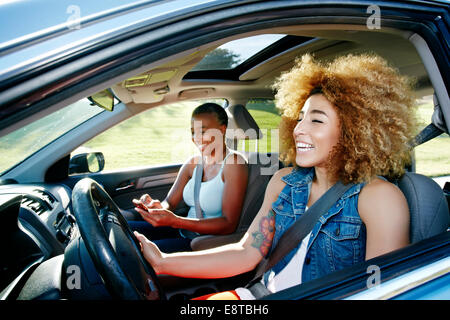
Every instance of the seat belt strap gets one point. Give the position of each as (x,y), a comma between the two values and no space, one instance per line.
(197,185)
(300,229)
(427,133)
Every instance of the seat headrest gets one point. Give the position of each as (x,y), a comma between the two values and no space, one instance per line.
(427,205)
(247,126)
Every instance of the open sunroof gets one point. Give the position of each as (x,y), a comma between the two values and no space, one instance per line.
(235,57)
(233,53)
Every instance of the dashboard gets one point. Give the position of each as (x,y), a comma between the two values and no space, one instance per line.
(36,224)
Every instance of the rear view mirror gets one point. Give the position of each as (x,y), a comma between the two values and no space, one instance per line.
(87,163)
(105,99)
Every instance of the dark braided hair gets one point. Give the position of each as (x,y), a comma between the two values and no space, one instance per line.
(214,108)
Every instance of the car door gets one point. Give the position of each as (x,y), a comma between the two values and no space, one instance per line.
(125,185)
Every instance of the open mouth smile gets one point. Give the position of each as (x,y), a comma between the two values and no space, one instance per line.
(304,147)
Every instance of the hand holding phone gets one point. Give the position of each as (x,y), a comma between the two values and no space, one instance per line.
(139,204)
(146,202)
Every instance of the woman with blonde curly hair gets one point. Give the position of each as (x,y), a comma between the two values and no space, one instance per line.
(348,120)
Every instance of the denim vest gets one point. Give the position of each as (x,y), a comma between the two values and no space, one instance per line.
(337,240)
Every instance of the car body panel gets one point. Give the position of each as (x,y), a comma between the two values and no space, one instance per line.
(404,283)
(437,289)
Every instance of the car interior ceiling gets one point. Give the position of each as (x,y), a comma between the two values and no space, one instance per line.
(325,44)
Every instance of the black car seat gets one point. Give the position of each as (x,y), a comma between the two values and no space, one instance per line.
(261,167)
(427,206)
(427,201)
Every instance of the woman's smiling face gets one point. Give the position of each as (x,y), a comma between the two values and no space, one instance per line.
(207,133)
(316,133)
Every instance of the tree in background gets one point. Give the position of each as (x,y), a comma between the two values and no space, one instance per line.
(219,59)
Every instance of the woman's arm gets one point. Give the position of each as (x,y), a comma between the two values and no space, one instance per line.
(224,261)
(175,194)
(384,210)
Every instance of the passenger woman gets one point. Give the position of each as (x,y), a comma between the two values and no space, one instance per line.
(222,191)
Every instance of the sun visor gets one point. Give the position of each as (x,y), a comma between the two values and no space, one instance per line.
(246,125)
(148,87)
(438,118)
(122,93)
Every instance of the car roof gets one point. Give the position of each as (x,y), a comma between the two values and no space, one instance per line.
(55,15)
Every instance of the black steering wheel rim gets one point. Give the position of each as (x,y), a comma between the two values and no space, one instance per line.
(87,196)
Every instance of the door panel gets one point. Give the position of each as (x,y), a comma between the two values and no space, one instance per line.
(125,185)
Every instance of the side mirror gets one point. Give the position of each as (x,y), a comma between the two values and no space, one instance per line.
(87,163)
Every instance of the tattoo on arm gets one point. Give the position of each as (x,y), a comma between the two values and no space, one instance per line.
(262,239)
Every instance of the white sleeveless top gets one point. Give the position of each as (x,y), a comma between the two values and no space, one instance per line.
(210,196)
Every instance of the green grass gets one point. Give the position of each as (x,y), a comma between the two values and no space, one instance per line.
(162,135)
(433,157)
(19,144)
(157,136)
(268,119)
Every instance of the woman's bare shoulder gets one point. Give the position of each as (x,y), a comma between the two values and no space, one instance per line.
(190,164)
(275,184)
(379,197)
(282,172)
(379,188)
(236,158)
(194,160)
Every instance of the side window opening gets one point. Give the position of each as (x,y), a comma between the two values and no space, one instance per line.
(159,136)
(267,116)
(432,158)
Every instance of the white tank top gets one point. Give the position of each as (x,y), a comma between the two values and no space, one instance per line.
(210,197)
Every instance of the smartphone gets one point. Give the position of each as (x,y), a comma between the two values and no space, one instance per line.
(140,205)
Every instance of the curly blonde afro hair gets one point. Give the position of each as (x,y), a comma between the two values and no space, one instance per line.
(374,103)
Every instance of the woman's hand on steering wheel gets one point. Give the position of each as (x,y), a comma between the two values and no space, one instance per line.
(150,251)
(120,263)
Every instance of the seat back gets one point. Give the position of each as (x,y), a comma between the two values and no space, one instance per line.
(427,205)
(261,168)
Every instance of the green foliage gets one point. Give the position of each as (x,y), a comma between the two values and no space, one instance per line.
(218,59)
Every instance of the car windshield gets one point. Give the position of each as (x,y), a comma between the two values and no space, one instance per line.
(23,142)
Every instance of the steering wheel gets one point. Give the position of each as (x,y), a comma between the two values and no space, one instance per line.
(113,248)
